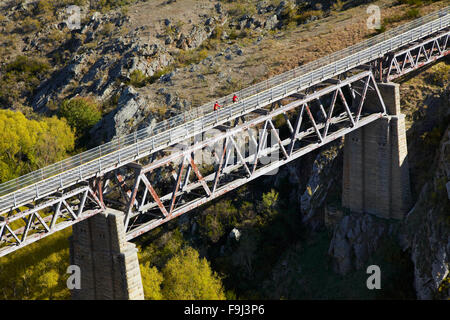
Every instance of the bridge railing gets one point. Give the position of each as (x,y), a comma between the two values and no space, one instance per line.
(127,148)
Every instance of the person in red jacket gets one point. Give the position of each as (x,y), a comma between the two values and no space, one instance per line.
(216,106)
(235,98)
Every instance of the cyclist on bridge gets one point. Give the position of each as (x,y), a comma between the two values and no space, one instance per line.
(235,98)
(217,106)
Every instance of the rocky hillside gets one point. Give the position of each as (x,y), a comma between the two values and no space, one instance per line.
(152,59)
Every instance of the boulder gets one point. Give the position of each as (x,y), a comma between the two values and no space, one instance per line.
(235,234)
(271,23)
(355,238)
(218,7)
(320,181)
(50,88)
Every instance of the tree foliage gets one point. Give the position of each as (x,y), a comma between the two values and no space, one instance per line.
(27,145)
(81,113)
(37,271)
(188,277)
(151,281)
(171,269)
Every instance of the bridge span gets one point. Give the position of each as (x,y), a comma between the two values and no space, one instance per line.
(153,175)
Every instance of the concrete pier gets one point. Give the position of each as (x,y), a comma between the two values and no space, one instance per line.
(376,171)
(109,264)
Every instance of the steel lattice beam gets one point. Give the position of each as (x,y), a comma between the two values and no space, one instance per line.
(226,176)
(416,56)
(47,216)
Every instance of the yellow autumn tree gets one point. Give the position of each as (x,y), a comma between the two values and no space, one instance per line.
(189,277)
(37,271)
(151,281)
(27,145)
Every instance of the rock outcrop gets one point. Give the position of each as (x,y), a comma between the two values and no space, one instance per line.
(131,110)
(426,231)
(355,239)
(325,172)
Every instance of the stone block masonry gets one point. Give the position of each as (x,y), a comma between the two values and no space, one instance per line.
(109,264)
(376,171)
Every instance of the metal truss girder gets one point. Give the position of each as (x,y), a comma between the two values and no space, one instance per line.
(49,224)
(259,172)
(37,236)
(418,55)
(254,122)
(264,120)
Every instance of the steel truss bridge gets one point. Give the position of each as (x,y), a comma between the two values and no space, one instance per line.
(158,173)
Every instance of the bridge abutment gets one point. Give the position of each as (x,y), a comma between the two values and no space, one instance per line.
(376,171)
(108,263)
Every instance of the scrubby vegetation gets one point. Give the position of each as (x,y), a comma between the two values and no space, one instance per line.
(138,78)
(81,114)
(294,16)
(20,78)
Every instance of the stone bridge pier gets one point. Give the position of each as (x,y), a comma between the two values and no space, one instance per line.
(376,172)
(108,264)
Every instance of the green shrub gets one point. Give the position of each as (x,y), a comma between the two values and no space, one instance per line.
(187,276)
(138,79)
(432,138)
(44,7)
(306,15)
(81,114)
(218,32)
(338,5)
(21,77)
(30,66)
(30,25)
(37,271)
(412,2)
(242,8)
(107,29)
(187,57)
(412,13)
(233,35)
